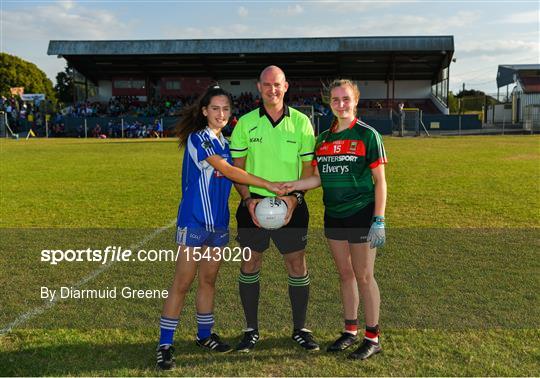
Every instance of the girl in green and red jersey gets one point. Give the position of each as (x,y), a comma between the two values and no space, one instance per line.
(349,161)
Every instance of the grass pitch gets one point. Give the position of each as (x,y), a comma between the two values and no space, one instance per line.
(459,276)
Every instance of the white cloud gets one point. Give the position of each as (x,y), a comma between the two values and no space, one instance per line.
(477,64)
(28,30)
(228,31)
(291,10)
(67,4)
(242,11)
(522,18)
(64,20)
(348,7)
(482,36)
(497,46)
(391,24)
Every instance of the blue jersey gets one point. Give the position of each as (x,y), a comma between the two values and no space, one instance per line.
(205,191)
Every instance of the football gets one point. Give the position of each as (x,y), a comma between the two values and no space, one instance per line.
(271,212)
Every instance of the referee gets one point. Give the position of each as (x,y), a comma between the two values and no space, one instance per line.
(274,142)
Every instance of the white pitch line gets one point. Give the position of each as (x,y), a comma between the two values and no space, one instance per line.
(23,318)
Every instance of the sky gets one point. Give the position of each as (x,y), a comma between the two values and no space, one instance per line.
(486,33)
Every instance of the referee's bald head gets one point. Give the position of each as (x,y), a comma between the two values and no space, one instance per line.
(272,70)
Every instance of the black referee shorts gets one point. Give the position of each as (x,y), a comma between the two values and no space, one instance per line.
(287,239)
(353,228)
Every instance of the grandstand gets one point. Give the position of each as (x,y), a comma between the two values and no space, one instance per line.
(388,70)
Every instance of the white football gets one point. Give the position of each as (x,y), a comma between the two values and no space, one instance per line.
(271,212)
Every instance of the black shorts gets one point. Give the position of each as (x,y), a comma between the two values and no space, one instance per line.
(353,228)
(287,239)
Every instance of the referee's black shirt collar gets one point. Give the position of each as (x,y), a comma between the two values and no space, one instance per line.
(263,112)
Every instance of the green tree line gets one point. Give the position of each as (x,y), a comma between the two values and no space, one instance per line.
(16,72)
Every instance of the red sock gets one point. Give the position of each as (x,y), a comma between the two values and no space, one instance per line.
(372,333)
(351,326)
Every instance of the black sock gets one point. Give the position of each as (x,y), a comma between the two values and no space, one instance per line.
(299,295)
(249,287)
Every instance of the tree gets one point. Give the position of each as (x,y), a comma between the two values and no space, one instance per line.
(470,93)
(453,104)
(64,85)
(472,100)
(16,72)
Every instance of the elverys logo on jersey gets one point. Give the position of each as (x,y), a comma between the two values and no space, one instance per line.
(335,157)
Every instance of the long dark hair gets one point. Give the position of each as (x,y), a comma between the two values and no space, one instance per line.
(192,117)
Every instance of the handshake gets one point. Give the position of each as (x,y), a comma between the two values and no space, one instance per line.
(282,188)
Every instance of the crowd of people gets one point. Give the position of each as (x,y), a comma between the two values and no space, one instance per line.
(23,116)
(115,129)
(20,113)
(122,106)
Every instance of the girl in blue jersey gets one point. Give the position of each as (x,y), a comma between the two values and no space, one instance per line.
(203,218)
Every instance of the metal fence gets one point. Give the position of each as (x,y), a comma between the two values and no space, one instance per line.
(385,121)
(105,127)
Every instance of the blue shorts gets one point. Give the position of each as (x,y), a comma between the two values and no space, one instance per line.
(199,236)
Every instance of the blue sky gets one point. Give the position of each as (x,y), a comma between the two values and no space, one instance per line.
(486,33)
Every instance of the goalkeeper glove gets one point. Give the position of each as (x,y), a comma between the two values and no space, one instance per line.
(377,234)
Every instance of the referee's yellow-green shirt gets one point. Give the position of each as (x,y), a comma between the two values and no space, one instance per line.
(273,150)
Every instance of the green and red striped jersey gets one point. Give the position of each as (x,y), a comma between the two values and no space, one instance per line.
(345,160)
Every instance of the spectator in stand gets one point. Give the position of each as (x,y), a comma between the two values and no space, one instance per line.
(234,121)
(158,129)
(110,129)
(96,132)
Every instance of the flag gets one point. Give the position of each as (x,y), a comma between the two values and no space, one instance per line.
(17,91)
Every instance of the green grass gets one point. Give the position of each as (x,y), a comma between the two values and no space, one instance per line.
(459,275)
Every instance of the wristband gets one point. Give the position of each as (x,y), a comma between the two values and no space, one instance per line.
(377,218)
(299,196)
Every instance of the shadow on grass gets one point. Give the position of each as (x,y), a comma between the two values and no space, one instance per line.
(88,358)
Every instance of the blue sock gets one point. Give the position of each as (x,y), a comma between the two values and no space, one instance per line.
(167,327)
(205,322)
